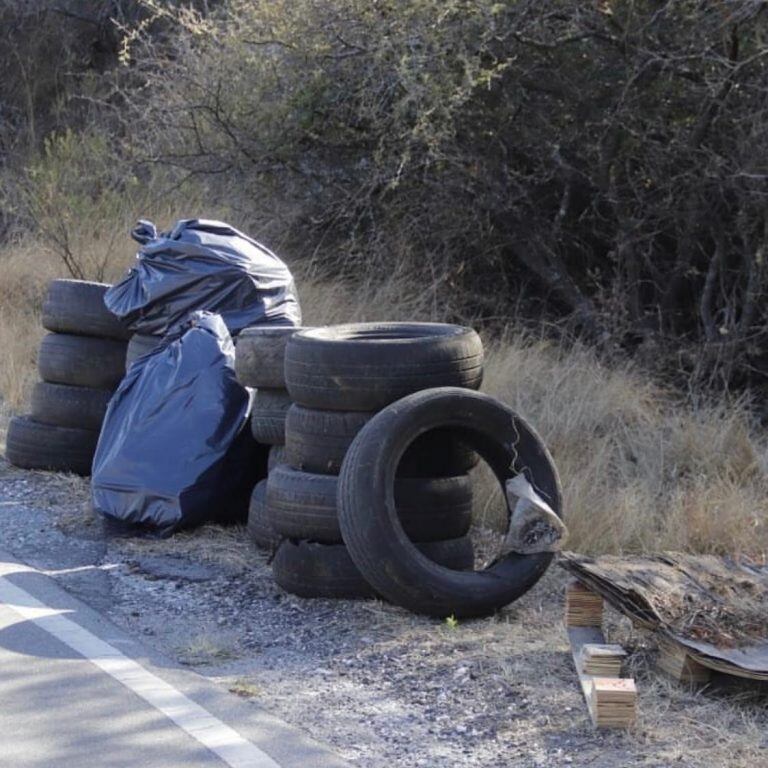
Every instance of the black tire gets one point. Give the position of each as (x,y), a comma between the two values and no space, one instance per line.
(140,344)
(370,524)
(317,441)
(308,569)
(66,406)
(259,527)
(276,457)
(270,407)
(368,366)
(82,361)
(31,445)
(77,306)
(259,355)
(303,506)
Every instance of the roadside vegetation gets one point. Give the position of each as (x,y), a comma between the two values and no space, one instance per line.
(583,182)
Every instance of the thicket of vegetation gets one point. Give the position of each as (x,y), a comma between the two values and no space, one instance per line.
(602,162)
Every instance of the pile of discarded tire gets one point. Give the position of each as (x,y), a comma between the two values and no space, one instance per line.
(260,352)
(338,378)
(80,362)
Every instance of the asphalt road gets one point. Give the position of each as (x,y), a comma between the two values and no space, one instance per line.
(77,691)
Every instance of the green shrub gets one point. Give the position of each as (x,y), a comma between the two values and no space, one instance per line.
(79,198)
(599,163)
(603,161)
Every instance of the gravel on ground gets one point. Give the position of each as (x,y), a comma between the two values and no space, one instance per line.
(383,687)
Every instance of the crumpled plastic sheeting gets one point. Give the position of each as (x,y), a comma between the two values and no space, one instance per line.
(174,447)
(202,265)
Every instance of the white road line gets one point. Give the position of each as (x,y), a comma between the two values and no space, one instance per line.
(211,732)
(81,569)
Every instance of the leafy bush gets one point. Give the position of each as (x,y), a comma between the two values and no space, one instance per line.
(602,163)
(606,161)
(74,195)
(80,197)
(47,48)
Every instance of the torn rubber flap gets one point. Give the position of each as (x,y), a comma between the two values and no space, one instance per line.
(533,525)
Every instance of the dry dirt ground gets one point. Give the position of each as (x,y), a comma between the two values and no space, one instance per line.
(383,687)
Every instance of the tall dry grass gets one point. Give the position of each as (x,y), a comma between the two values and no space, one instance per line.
(641,470)
(24,272)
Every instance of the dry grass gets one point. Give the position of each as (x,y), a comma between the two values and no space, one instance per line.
(403,297)
(24,273)
(207,649)
(641,471)
(82,519)
(226,546)
(244,688)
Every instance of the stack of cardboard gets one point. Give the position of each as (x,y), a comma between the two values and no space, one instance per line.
(675,662)
(613,702)
(583,608)
(602,660)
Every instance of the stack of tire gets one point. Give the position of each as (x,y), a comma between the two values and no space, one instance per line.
(80,362)
(338,378)
(259,356)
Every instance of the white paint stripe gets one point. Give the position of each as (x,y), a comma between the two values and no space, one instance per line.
(81,569)
(211,732)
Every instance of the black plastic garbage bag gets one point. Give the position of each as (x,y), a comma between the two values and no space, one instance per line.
(202,265)
(174,449)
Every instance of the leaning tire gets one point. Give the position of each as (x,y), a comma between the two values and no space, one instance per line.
(140,344)
(77,306)
(270,407)
(259,527)
(308,569)
(32,445)
(81,361)
(368,366)
(369,520)
(66,406)
(260,354)
(303,506)
(317,441)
